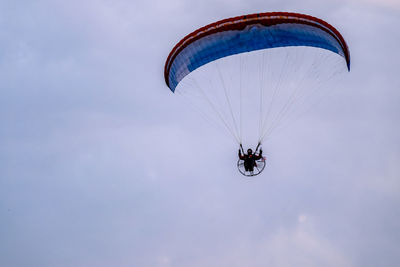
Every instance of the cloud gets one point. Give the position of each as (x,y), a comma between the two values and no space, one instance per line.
(301,245)
(383,3)
(100,165)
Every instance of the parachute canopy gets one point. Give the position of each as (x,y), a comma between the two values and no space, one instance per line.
(249,33)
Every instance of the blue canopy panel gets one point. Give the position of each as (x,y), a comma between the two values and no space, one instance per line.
(250,33)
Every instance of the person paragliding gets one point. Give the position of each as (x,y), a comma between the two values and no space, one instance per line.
(249,161)
(292,54)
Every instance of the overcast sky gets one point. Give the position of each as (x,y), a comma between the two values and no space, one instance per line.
(101,165)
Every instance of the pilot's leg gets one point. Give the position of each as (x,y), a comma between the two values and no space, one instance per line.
(246,167)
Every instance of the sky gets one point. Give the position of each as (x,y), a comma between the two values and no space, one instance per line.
(101,165)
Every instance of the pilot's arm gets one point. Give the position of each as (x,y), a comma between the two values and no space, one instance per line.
(240,155)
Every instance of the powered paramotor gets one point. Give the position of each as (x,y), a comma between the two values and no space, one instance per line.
(254,74)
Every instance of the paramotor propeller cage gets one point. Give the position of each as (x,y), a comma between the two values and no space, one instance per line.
(258,168)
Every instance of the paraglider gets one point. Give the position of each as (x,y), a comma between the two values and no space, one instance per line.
(287,53)
(250,164)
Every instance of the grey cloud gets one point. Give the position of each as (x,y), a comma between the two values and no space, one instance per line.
(100,165)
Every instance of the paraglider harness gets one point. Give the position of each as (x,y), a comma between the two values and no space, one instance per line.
(250,164)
